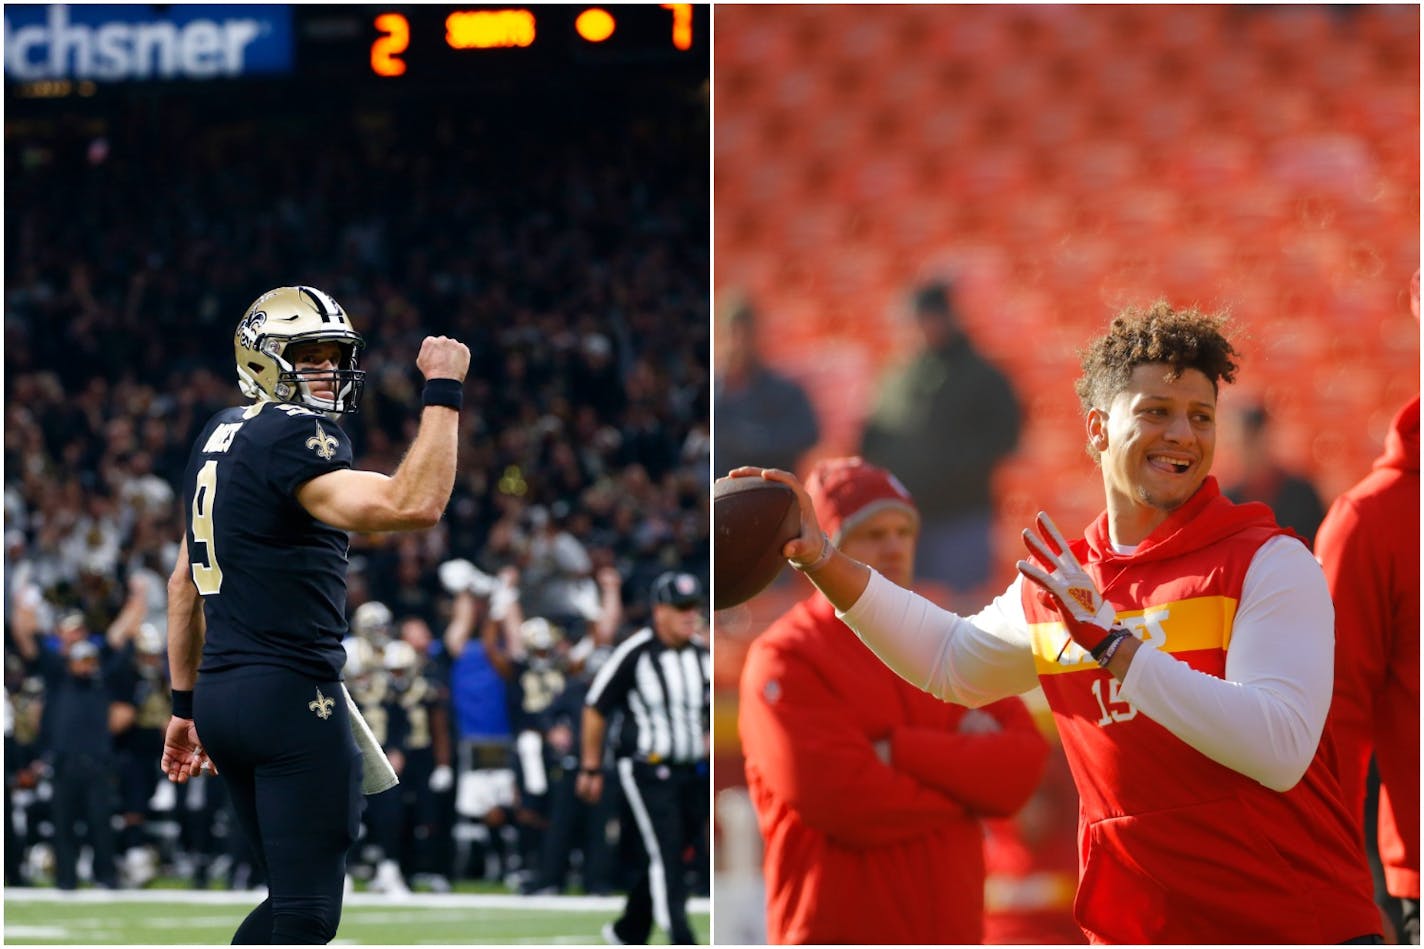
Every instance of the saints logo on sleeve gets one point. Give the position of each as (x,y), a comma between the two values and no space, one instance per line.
(306,444)
(323,444)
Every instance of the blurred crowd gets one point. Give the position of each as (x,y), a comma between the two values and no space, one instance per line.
(569,255)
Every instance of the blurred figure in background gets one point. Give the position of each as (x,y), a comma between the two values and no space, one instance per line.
(1369,548)
(869,792)
(763,417)
(484,791)
(433,853)
(21,726)
(533,661)
(141,675)
(660,677)
(1031,862)
(1262,478)
(573,824)
(556,567)
(80,744)
(942,423)
(408,717)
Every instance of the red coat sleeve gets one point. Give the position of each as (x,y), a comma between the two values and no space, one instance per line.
(990,774)
(806,748)
(1369,549)
(1356,580)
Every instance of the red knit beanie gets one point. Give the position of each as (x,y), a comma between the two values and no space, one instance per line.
(846,491)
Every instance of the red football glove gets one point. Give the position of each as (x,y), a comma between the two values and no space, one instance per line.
(1088,617)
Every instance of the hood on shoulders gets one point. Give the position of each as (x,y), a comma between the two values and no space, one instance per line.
(1401,445)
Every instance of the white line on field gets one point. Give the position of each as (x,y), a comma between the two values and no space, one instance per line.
(446,901)
(35,932)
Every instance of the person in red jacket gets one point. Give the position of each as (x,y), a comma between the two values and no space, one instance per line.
(1368,546)
(868,791)
(1031,861)
(1185,645)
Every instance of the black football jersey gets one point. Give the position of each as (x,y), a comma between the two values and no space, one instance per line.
(532,690)
(272,577)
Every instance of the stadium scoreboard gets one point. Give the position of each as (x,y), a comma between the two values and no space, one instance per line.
(59,50)
(415,39)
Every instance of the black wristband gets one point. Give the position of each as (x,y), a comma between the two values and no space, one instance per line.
(1103,652)
(183,704)
(448,393)
(592,772)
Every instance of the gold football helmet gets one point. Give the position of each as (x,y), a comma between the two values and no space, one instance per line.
(374,622)
(538,634)
(287,316)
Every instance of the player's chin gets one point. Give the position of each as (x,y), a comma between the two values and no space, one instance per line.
(1171,495)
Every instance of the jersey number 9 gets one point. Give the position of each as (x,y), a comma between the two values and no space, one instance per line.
(208,579)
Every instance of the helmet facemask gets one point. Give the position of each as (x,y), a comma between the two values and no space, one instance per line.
(295,385)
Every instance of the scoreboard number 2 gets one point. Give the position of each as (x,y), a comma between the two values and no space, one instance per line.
(387,49)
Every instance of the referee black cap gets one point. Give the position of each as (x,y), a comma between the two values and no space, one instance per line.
(675,588)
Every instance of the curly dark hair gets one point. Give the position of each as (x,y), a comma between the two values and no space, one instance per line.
(1183,339)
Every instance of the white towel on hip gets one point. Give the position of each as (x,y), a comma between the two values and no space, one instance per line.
(376,772)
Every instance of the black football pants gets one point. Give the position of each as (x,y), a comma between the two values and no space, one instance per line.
(282,744)
(669,807)
(83,789)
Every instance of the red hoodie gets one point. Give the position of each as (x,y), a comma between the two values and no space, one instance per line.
(1175,847)
(1369,548)
(857,851)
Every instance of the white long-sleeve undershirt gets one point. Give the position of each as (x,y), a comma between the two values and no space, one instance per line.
(1263,719)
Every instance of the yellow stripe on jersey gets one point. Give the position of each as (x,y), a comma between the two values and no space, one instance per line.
(1202,622)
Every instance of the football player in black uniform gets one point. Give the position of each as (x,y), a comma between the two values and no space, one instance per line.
(259,594)
(409,717)
(535,669)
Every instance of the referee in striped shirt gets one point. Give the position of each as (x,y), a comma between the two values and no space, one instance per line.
(661,677)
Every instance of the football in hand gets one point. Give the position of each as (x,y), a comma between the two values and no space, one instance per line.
(752,519)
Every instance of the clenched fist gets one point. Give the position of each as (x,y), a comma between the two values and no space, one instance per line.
(443,358)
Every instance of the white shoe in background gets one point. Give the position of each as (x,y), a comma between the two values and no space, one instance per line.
(139,866)
(388,879)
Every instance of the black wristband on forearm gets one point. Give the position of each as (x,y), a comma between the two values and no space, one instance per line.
(1103,652)
(449,393)
(183,704)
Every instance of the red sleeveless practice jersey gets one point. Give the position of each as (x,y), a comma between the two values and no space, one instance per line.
(1174,847)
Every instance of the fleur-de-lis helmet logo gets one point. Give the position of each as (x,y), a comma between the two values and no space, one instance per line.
(323,444)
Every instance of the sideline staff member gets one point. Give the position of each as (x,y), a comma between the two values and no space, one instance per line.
(869,792)
(662,680)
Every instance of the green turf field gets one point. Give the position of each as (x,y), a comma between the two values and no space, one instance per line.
(149,917)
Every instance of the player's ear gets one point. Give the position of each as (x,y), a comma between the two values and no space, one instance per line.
(1097,426)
